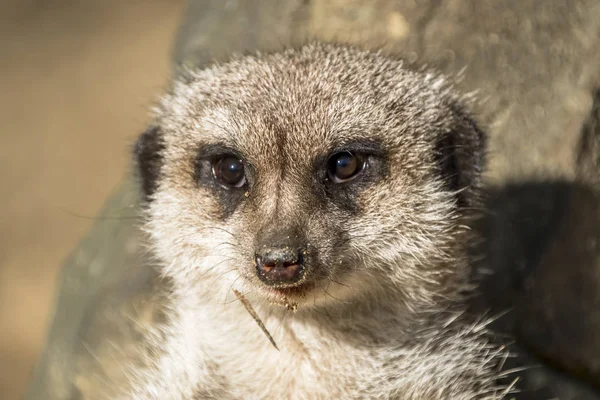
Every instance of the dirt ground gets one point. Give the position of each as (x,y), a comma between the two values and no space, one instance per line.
(76,79)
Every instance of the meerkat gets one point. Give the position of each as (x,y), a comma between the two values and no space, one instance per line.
(332,188)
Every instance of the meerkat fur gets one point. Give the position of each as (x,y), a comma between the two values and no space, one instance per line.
(380,312)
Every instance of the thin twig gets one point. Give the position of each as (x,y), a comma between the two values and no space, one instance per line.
(254,315)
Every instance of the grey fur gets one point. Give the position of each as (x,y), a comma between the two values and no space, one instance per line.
(388,268)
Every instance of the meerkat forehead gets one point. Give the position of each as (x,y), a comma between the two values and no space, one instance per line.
(304,101)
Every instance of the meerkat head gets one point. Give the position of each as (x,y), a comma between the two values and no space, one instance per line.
(314,173)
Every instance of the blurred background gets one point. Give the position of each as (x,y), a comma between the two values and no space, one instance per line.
(76,80)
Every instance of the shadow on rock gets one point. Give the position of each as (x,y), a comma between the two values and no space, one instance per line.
(539,267)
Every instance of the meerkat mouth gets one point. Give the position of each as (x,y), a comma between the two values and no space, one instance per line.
(288,297)
(299,291)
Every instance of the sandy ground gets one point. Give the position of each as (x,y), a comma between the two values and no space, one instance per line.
(76,80)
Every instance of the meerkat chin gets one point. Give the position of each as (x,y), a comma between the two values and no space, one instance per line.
(331,187)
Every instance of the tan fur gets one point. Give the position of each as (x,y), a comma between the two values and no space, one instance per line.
(384,318)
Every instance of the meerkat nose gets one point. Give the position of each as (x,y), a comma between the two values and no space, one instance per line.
(279,265)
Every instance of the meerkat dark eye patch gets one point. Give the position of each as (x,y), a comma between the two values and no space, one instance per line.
(346,170)
(222,165)
(225,172)
(149,159)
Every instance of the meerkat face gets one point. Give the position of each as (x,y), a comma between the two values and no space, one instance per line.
(322,172)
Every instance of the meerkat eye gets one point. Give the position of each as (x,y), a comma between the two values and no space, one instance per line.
(345,166)
(229,171)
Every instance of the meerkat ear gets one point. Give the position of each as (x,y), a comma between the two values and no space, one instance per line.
(149,159)
(461,156)
(588,151)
